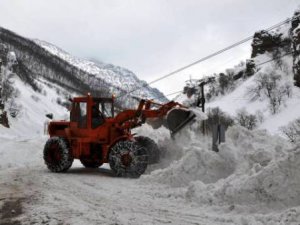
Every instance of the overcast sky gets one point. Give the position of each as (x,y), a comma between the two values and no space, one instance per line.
(149,37)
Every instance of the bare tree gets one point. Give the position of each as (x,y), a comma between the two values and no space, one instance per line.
(257,90)
(217,116)
(14,109)
(246,119)
(260,116)
(288,89)
(292,130)
(270,85)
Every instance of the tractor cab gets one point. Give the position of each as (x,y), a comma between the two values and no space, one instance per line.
(89,112)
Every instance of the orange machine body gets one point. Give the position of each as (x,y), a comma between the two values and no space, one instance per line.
(83,137)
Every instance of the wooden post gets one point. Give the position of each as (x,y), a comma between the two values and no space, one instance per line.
(218,136)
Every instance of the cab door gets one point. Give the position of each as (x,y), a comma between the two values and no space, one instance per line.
(79,119)
(79,129)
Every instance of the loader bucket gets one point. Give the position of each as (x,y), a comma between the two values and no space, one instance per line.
(178,118)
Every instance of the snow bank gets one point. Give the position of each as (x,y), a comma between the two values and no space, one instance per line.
(275,186)
(252,168)
(189,158)
(243,152)
(21,153)
(196,164)
(266,172)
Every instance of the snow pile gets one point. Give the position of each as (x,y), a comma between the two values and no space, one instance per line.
(266,172)
(197,161)
(275,186)
(251,168)
(196,164)
(243,152)
(251,149)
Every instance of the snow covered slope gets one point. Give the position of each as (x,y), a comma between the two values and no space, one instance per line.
(268,90)
(43,77)
(114,75)
(38,59)
(33,106)
(240,99)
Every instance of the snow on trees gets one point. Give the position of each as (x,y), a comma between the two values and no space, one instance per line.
(271,85)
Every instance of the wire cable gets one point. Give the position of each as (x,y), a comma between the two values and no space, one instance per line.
(208,56)
(268,61)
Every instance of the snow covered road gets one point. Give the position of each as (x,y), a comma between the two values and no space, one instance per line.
(86,196)
(175,193)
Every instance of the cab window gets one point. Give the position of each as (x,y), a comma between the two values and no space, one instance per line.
(97,116)
(83,115)
(79,114)
(106,109)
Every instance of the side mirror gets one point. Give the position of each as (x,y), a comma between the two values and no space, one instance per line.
(50,116)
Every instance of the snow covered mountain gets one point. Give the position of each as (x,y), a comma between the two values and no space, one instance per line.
(39,78)
(38,59)
(117,77)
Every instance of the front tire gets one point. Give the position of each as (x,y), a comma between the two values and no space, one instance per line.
(151,147)
(57,155)
(128,159)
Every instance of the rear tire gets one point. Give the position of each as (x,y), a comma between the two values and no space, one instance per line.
(151,147)
(57,155)
(128,159)
(90,163)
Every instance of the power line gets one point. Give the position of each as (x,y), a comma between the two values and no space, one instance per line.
(162,96)
(207,57)
(288,53)
(210,69)
(217,53)
(268,61)
(174,93)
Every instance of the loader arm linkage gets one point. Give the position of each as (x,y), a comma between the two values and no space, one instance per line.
(129,119)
